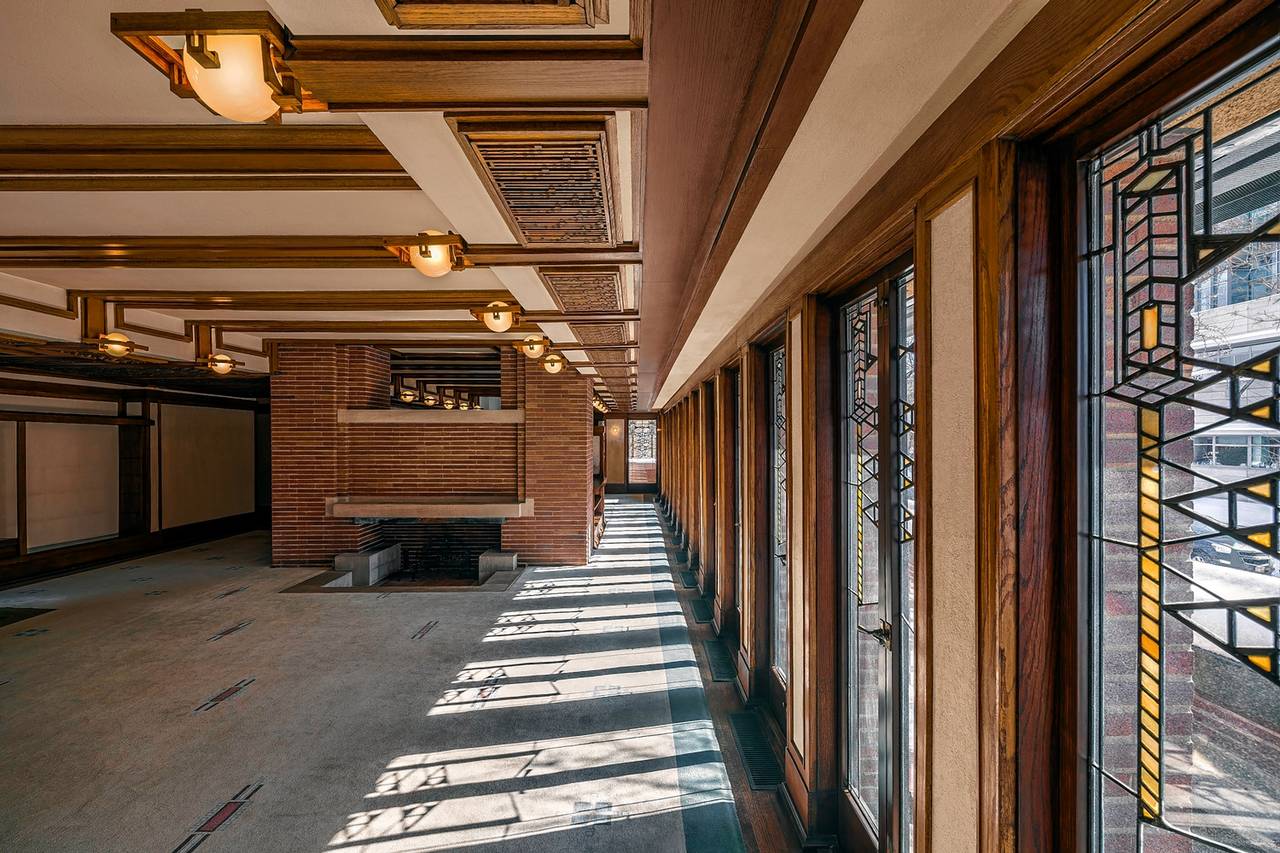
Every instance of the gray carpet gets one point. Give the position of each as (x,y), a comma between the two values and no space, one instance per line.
(179,701)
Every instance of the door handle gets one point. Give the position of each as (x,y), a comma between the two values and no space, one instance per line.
(882,635)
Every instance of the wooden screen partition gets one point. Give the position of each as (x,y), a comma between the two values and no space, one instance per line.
(724,605)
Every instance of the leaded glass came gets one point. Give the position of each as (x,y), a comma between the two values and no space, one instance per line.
(1182,359)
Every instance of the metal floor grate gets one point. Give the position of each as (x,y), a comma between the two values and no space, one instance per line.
(701,610)
(763,770)
(688,579)
(719,660)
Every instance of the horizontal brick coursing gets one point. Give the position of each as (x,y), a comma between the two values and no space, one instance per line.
(557,430)
(314,457)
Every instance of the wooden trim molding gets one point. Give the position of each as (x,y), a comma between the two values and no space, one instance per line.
(83,158)
(280,252)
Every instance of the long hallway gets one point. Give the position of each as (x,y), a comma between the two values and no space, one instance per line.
(182,699)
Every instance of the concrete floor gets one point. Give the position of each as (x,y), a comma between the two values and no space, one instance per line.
(180,701)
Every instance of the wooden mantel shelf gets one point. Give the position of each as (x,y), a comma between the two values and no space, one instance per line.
(427,417)
(446,506)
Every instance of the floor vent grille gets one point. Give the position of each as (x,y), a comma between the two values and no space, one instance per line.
(688,579)
(719,660)
(763,770)
(701,610)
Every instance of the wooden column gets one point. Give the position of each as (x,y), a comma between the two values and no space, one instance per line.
(707,496)
(723,609)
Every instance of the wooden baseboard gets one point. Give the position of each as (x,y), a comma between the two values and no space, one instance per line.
(76,558)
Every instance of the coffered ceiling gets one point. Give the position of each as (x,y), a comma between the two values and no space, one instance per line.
(634,174)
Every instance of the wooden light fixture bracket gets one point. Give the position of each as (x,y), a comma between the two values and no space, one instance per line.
(457,244)
(144,32)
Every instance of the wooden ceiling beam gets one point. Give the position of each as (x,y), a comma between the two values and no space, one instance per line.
(370,73)
(293,300)
(276,252)
(197,157)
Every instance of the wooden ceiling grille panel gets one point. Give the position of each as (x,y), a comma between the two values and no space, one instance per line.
(586,289)
(466,14)
(552,177)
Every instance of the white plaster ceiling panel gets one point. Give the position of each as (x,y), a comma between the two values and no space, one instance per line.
(200,213)
(900,65)
(102,278)
(77,72)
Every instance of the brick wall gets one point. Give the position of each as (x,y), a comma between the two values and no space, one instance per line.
(308,387)
(557,461)
(314,457)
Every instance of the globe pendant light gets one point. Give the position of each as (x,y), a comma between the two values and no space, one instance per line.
(236,88)
(221,364)
(498,316)
(431,261)
(448,404)
(408,396)
(533,346)
(553,363)
(116,345)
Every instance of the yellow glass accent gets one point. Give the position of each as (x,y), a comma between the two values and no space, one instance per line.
(1151,422)
(1150,607)
(1263,367)
(1150,527)
(1262,662)
(1263,411)
(1151,569)
(1150,646)
(1263,613)
(1150,328)
(1262,490)
(1262,537)
(1150,805)
(1152,667)
(1150,180)
(1150,681)
(1151,706)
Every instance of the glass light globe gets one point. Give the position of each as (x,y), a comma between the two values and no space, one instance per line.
(553,363)
(436,262)
(221,364)
(237,89)
(533,346)
(448,404)
(407,395)
(430,400)
(116,344)
(498,316)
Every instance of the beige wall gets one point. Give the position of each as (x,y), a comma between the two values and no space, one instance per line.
(615,433)
(798,642)
(951,390)
(206,464)
(8,480)
(73,483)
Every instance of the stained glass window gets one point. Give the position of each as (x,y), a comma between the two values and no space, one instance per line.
(879,527)
(778,497)
(1182,359)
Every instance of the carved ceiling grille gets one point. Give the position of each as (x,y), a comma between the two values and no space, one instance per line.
(586,289)
(613,375)
(551,176)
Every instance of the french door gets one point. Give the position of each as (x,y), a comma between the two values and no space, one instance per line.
(878,525)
